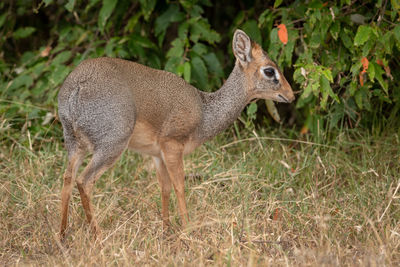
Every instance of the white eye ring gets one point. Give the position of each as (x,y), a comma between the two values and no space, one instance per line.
(270,73)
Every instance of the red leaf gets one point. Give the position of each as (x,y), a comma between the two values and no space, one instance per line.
(276,214)
(365,63)
(388,73)
(362,78)
(387,68)
(304,130)
(282,33)
(45,52)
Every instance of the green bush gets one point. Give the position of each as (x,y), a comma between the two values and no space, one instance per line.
(327,43)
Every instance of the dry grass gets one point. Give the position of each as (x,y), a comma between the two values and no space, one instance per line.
(251,202)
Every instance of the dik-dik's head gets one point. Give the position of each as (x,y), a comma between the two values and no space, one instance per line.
(263,77)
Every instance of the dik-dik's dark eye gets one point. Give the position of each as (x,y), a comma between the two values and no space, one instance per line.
(269,72)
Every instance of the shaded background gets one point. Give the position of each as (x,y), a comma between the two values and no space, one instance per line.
(42,41)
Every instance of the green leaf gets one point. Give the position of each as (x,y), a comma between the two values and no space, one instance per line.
(266,19)
(353,87)
(199,49)
(305,98)
(367,47)
(362,35)
(147,7)
(328,74)
(38,69)
(2,19)
(326,87)
(180,70)
(288,51)
(110,47)
(307,91)
(199,72)
(346,40)
(132,22)
(315,40)
(61,58)
(187,71)
(183,30)
(252,30)
(59,74)
(143,41)
(213,64)
(335,29)
(251,109)
(172,64)
(387,43)
(316,4)
(274,46)
(105,12)
(172,14)
(21,80)
(359,98)
(378,75)
(23,32)
(395,4)
(396,32)
(316,88)
(91,4)
(70,5)
(47,2)
(28,57)
(177,48)
(200,30)
(277,3)
(371,71)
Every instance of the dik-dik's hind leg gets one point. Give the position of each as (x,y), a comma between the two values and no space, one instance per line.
(102,160)
(165,184)
(74,161)
(172,153)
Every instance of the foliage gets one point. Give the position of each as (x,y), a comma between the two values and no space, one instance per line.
(322,58)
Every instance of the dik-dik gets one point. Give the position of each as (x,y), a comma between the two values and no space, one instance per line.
(107,105)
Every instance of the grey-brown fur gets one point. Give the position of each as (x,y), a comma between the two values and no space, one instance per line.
(222,108)
(108,104)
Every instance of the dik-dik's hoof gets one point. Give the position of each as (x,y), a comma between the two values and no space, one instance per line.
(61,236)
(193,176)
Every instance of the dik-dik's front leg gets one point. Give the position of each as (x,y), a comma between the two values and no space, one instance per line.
(172,154)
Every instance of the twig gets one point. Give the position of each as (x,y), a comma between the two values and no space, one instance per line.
(390,202)
(380,17)
(275,139)
(57,240)
(119,227)
(23,104)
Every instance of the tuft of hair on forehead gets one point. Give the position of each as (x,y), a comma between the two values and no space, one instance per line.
(258,53)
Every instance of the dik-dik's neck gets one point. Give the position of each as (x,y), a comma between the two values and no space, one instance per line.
(223,107)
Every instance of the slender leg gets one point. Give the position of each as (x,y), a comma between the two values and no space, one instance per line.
(165,184)
(172,153)
(74,162)
(100,162)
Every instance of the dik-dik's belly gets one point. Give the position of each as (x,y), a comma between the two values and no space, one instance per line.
(145,140)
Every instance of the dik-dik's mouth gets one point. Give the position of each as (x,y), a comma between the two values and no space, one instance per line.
(283,99)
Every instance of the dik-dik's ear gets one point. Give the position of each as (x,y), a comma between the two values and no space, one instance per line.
(241,45)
